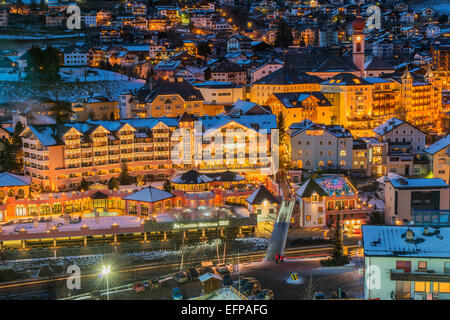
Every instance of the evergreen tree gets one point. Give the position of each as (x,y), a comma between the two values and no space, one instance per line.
(281,126)
(62,111)
(43,65)
(167,186)
(43,5)
(337,258)
(125,177)
(203,50)
(113,183)
(283,37)
(375,216)
(84,186)
(336,252)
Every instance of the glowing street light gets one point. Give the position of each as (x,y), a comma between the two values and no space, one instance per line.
(106,270)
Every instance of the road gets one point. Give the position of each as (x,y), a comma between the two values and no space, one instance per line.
(90,282)
(273,276)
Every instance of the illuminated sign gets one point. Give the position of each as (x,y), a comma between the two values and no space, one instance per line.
(200,225)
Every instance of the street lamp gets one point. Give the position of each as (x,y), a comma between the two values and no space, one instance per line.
(106,270)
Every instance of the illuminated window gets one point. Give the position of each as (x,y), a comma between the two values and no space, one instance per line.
(342,153)
(308,218)
(422,287)
(422,265)
(444,287)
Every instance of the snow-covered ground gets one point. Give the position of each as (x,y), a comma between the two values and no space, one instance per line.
(256,243)
(442,7)
(103,222)
(67,91)
(372,199)
(40,37)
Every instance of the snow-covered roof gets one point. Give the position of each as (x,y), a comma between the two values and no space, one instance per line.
(149,194)
(208,276)
(261,194)
(12,180)
(391,241)
(191,177)
(418,183)
(438,145)
(387,177)
(387,126)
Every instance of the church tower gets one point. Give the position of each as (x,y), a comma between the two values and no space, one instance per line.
(358,43)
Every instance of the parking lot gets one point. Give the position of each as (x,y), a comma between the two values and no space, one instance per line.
(312,277)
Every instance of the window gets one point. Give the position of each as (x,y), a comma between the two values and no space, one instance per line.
(422,287)
(320,221)
(308,218)
(403,265)
(447,267)
(342,153)
(443,287)
(422,265)
(403,289)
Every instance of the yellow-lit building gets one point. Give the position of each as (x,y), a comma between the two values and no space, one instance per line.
(98,108)
(297,106)
(281,81)
(169,98)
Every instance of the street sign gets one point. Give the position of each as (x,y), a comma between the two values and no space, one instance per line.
(294,276)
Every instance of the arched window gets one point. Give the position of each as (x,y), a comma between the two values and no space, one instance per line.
(11,193)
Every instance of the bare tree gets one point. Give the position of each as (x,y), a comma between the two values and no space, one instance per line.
(308,289)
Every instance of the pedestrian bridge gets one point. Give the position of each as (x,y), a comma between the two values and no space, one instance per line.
(280,230)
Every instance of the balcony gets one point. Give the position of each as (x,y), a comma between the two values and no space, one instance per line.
(420,276)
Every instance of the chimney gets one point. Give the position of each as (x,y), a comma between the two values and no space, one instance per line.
(409,235)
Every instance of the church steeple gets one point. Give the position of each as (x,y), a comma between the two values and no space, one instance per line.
(358,42)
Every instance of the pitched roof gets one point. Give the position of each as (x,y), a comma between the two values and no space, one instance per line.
(176,86)
(191,177)
(261,194)
(286,76)
(387,126)
(346,79)
(308,188)
(438,145)
(149,194)
(295,99)
(226,176)
(13,180)
(378,64)
(208,276)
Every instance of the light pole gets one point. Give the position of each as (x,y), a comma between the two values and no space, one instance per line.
(106,270)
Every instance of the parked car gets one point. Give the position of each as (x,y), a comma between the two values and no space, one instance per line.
(265,294)
(252,287)
(180,277)
(204,270)
(176,294)
(241,282)
(222,270)
(138,287)
(319,296)
(152,284)
(227,280)
(192,273)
